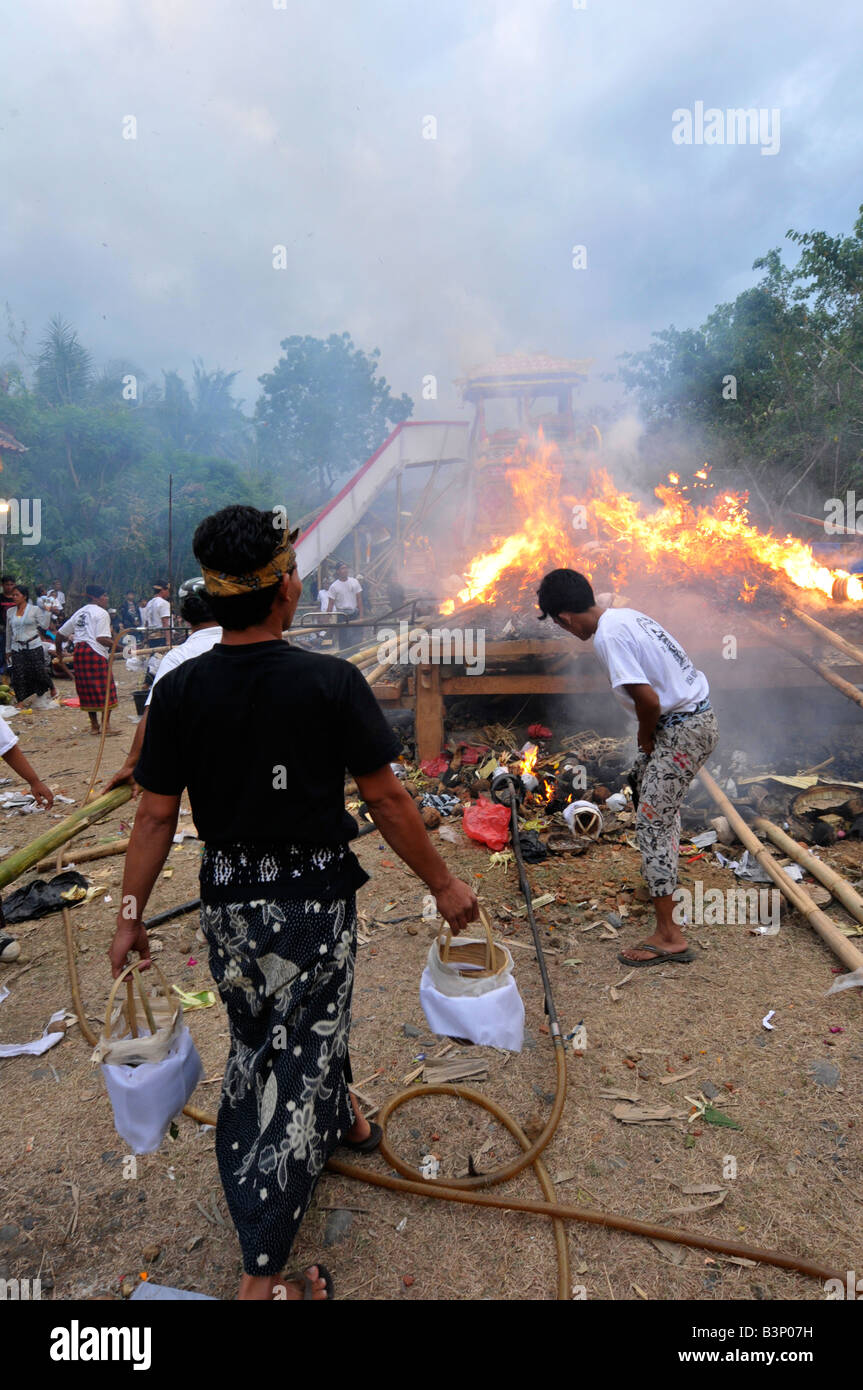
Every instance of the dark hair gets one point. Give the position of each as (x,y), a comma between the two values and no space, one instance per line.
(564,591)
(95,590)
(195,608)
(7,579)
(22,589)
(237,540)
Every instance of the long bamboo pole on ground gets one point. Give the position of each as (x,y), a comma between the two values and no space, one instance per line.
(16,864)
(840,643)
(844,687)
(83,856)
(840,887)
(818,920)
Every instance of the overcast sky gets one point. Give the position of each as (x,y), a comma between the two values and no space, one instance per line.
(303,126)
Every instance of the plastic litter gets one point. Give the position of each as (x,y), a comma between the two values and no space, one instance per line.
(487,823)
(852,981)
(42,896)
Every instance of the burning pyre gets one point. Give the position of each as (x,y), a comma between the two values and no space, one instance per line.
(685,540)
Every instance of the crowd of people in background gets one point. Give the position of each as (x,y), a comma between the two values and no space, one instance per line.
(39,644)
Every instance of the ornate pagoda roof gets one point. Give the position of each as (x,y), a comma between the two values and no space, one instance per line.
(504,375)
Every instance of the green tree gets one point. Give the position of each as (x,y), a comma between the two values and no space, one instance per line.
(769,387)
(322,411)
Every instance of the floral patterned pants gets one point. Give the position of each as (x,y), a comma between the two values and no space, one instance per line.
(285,972)
(660,782)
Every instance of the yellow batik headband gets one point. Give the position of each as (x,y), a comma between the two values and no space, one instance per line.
(226,585)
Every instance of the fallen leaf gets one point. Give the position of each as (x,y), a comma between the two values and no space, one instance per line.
(641,1293)
(675,1254)
(716,1117)
(701,1189)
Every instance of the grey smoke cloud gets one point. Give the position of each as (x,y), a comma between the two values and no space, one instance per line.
(303,127)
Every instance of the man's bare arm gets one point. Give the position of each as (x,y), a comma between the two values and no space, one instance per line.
(126,773)
(647,708)
(395,814)
(148,849)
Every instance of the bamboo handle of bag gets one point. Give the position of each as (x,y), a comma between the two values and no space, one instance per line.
(485,922)
(146,1003)
(131,1016)
(135,966)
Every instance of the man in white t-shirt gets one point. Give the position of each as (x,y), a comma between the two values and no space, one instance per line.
(157,615)
(204,633)
(346,598)
(655,681)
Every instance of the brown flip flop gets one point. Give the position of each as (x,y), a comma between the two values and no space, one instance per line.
(659,956)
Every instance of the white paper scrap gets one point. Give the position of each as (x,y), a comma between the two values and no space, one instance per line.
(39,1045)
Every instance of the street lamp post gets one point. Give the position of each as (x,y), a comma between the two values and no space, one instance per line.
(4,509)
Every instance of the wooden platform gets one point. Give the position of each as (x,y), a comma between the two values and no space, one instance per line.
(562,666)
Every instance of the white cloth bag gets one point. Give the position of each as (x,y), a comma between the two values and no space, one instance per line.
(486,1010)
(150,1073)
(146,1098)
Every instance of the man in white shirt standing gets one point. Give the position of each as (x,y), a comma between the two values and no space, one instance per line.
(654,679)
(346,598)
(90,630)
(156,619)
(204,634)
(157,615)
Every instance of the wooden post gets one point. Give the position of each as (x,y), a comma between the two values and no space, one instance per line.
(840,643)
(799,899)
(429,713)
(838,682)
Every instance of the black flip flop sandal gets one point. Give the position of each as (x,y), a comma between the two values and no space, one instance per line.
(660,957)
(367,1145)
(300,1277)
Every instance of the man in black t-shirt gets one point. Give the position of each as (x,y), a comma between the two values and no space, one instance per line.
(260,733)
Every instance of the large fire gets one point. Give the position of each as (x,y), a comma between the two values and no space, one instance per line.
(681,540)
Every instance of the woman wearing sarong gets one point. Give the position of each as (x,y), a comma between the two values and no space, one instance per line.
(25,624)
(90,630)
(261,734)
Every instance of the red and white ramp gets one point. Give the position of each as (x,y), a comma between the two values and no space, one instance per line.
(411,444)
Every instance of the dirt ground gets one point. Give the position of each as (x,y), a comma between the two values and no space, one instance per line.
(68,1213)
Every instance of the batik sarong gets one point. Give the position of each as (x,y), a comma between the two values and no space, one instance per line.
(284,966)
(660,782)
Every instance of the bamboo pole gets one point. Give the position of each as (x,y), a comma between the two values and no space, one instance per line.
(818,920)
(18,863)
(844,687)
(840,643)
(83,856)
(840,887)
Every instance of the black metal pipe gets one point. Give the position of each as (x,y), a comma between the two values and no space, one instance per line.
(172,912)
(508,785)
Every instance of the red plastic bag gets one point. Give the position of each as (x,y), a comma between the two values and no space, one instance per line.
(435,767)
(487,822)
(538,731)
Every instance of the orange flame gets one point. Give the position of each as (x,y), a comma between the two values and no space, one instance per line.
(678,541)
